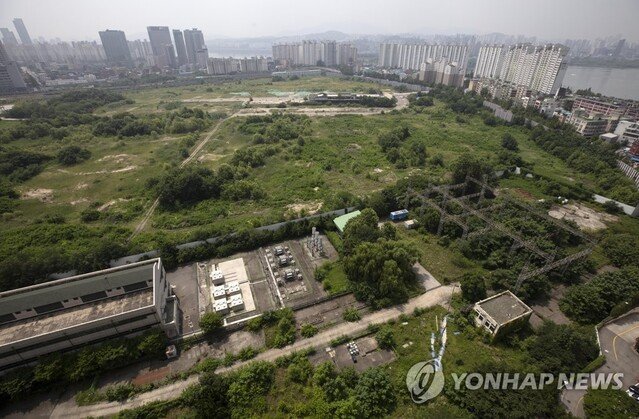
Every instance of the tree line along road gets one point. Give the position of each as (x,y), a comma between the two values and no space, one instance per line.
(437,296)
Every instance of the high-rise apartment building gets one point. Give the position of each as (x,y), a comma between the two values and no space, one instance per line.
(194,42)
(489,61)
(116,47)
(346,54)
(411,56)
(221,66)
(141,53)
(22,31)
(328,53)
(162,46)
(540,68)
(11,80)
(180,47)
(8,37)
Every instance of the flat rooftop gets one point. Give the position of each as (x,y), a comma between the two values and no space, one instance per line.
(73,316)
(504,307)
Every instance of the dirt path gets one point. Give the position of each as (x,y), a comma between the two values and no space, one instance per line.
(437,296)
(149,213)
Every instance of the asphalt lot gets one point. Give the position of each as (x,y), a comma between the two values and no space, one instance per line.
(370,355)
(184,285)
(617,339)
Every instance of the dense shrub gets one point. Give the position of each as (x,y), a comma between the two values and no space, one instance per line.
(72,154)
(592,301)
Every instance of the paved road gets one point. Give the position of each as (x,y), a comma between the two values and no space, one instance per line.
(437,296)
(617,339)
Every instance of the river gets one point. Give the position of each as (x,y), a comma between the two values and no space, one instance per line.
(618,82)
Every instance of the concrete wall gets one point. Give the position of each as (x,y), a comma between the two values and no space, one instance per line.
(66,339)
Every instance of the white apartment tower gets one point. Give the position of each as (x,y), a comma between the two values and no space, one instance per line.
(411,56)
(489,61)
(550,68)
(539,68)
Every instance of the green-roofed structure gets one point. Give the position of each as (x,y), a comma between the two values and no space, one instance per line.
(341,221)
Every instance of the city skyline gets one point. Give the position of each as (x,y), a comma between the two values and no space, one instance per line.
(544,19)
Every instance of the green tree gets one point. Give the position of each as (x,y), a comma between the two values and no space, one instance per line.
(385,338)
(248,388)
(470,165)
(389,231)
(592,301)
(308,330)
(509,142)
(153,343)
(300,370)
(374,394)
(72,154)
(210,322)
(562,348)
(609,403)
(473,287)
(621,249)
(351,315)
(360,229)
(381,272)
(209,397)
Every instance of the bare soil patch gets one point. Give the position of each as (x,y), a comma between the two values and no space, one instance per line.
(586,218)
(41,194)
(310,207)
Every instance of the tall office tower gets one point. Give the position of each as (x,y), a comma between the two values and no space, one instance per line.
(22,31)
(489,61)
(180,47)
(8,37)
(162,47)
(116,47)
(194,42)
(11,80)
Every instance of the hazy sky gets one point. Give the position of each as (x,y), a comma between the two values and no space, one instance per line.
(549,19)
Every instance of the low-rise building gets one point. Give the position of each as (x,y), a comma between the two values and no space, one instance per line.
(68,313)
(628,131)
(609,137)
(591,125)
(501,313)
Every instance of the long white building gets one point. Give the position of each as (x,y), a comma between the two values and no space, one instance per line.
(311,53)
(538,68)
(412,56)
(489,61)
(68,313)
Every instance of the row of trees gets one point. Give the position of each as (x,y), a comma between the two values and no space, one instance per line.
(592,301)
(182,121)
(591,156)
(248,391)
(57,370)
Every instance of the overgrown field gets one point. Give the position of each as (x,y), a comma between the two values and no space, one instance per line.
(125,150)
